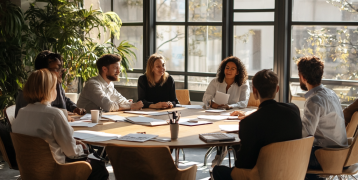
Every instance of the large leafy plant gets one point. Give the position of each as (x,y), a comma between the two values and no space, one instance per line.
(12,69)
(64,27)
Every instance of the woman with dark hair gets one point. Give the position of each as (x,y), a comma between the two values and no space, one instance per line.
(231,79)
(156,88)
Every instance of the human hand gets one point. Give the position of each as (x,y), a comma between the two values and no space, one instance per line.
(225,106)
(214,105)
(70,119)
(79,111)
(137,106)
(240,114)
(84,146)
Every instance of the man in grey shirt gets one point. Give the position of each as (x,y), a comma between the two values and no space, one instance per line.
(323,116)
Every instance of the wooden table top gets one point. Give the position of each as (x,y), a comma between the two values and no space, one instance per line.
(188,135)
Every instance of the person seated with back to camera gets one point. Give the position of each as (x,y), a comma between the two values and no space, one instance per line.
(54,63)
(263,127)
(231,79)
(156,88)
(39,119)
(99,91)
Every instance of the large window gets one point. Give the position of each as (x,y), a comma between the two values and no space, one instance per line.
(325,29)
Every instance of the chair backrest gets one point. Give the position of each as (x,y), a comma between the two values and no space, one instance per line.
(143,162)
(352,125)
(5,156)
(10,113)
(352,157)
(183,96)
(253,101)
(285,160)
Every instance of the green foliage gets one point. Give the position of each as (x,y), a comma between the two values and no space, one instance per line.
(64,27)
(12,71)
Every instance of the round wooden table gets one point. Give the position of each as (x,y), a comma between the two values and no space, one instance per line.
(188,135)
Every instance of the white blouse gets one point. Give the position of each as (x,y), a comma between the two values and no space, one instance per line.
(50,124)
(239,95)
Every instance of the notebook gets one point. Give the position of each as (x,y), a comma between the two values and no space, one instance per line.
(137,137)
(146,121)
(215,137)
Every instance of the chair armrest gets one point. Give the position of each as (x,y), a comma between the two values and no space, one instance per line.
(350,140)
(187,174)
(81,169)
(332,159)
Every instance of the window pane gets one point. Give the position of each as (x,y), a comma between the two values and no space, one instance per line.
(170,43)
(105,5)
(346,94)
(204,48)
(324,10)
(132,79)
(129,10)
(205,11)
(179,81)
(259,16)
(254,4)
(173,11)
(134,35)
(254,46)
(336,45)
(199,83)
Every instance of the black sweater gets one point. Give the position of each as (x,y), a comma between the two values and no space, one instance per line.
(151,95)
(272,122)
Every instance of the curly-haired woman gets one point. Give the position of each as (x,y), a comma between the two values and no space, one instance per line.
(231,79)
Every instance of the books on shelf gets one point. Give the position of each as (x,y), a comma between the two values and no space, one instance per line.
(146,121)
(215,137)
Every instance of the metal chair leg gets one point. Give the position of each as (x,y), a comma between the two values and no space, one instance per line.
(228,151)
(182,150)
(208,152)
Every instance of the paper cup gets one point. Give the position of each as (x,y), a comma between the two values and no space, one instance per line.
(94,116)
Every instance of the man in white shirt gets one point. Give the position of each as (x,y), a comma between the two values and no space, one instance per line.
(323,116)
(99,91)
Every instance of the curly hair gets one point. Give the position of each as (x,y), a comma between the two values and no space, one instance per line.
(311,68)
(240,78)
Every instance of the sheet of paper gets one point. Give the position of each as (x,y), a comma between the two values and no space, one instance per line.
(221,98)
(137,137)
(152,113)
(229,128)
(84,134)
(141,119)
(94,136)
(91,156)
(217,118)
(194,124)
(86,116)
(114,117)
(192,106)
(82,124)
(215,110)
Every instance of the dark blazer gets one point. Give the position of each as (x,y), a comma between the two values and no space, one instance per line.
(151,95)
(272,122)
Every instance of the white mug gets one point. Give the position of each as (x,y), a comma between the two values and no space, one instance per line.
(94,116)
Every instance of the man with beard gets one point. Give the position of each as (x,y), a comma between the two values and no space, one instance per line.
(53,62)
(99,91)
(323,116)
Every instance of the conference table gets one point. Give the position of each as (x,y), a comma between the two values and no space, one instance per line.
(188,135)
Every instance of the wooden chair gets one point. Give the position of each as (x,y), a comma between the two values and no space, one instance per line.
(332,161)
(35,161)
(352,125)
(183,96)
(253,101)
(144,162)
(279,161)
(9,113)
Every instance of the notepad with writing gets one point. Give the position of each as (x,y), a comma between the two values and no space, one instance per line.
(214,137)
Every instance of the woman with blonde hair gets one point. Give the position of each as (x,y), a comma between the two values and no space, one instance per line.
(40,120)
(156,88)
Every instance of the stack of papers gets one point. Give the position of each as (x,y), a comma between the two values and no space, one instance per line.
(229,128)
(86,117)
(152,113)
(114,117)
(192,122)
(192,106)
(214,137)
(81,124)
(215,110)
(145,121)
(94,136)
(137,137)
